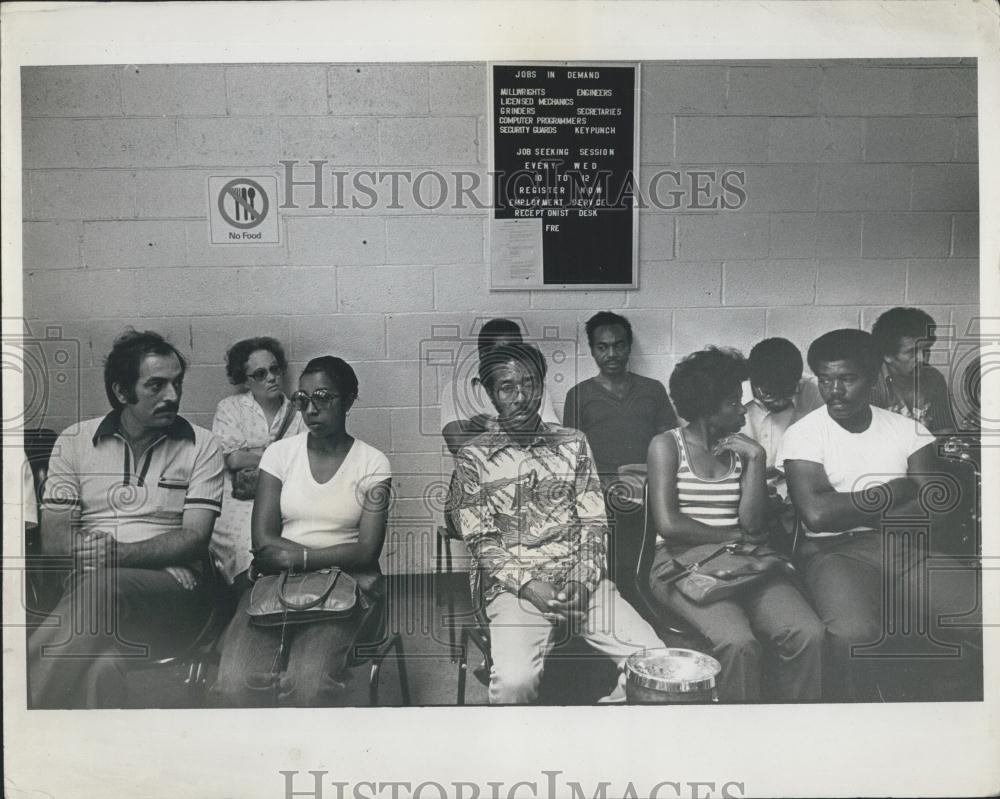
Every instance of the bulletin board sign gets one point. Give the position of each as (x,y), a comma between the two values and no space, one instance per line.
(564,153)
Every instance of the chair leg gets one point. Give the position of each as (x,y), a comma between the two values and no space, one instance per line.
(463,666)
(404,680)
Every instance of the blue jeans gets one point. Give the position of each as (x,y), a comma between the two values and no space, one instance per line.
(307,668)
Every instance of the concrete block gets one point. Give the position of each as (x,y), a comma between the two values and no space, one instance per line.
(211,337)
(130,245)
(92,143)
(276,89)
(860,282)
(945,90)
(70,91)
(388,384)
(652,334)
(584,300)
(946,188)
(434,240)
(870,313)
(171,193)
(709,237)
(188,292)
(467,288)
(204,386)
(245,141)
(915,235)
(814,139)
(371,425)
(71,194)
(857,187)
(896,140)
(289,290)
(80,294)
(78,337)
(865,90)
(695,329)
(355,337)
(656,237)
(440,140)
(776,89)
(199,251)
(802,326)
(332,241)
(965,321)
(780,188)
(418,476)
(721,140)
(174,90)
(408,335)
(967,139)
(378,90)
(339,140)
(677,284)
(955,280)
(51,245)
(768,282)
(387,289)
(815,235)
(417,430)
(965,236)
(458,90)
(670,88)
(656,138)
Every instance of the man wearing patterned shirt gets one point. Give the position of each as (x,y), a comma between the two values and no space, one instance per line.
(528,503)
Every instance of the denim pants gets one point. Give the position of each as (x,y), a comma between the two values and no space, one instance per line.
(890,609)
(108,621)
(299,665)
(770,614)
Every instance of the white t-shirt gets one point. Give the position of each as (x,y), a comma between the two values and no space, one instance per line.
(854,461)
(326,514)
(463,400)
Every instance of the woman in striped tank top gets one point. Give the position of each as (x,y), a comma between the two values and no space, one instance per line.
(706,485)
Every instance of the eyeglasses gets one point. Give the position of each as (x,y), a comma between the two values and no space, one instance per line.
(321,398)
(764,394)
(260,375)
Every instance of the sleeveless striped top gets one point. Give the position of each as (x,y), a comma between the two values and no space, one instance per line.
(712,502)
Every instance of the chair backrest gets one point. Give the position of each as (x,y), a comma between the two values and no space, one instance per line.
(647,551)
(38,445)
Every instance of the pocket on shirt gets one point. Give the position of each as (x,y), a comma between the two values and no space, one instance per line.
(169,497)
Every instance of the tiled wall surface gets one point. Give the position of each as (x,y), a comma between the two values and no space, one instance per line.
(862,193)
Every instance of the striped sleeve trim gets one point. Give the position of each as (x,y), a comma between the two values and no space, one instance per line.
(61,502)
(212,503)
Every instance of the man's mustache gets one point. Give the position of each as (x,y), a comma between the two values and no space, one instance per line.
(168,407)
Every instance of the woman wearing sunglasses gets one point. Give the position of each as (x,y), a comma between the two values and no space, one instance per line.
(246,423)
(322,501)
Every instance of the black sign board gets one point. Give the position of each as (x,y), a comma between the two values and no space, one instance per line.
(564,141)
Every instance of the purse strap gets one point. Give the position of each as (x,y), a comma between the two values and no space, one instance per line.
(331,580)
(285,424)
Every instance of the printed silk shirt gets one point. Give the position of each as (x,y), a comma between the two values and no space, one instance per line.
(530,511)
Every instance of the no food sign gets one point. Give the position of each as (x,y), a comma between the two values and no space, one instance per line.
(242,209)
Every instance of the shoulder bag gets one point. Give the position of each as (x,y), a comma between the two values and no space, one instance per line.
(711,572)
(278,599)
(245,480)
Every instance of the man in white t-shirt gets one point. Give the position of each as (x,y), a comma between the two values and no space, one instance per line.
(466,408)
(858,475)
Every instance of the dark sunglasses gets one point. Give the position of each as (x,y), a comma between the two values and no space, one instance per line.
(260,375)
(321,398)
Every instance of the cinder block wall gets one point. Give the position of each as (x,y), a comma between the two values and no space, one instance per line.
(861,182)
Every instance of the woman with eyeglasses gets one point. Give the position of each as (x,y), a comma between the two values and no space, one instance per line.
(246,423)
(322,501)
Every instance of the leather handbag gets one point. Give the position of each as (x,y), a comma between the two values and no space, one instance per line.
(712,572)
(286,598)
(245,480)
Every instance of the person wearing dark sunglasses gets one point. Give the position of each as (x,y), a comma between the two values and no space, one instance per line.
(246,422)
(322,502)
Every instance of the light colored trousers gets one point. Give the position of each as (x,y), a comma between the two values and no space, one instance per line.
(521,638)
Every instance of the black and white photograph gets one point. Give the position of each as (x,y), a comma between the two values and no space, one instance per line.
(500,400)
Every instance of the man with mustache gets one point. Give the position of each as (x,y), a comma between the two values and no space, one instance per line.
(132,498)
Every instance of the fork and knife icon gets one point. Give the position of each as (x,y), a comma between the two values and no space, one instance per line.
(244,201)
